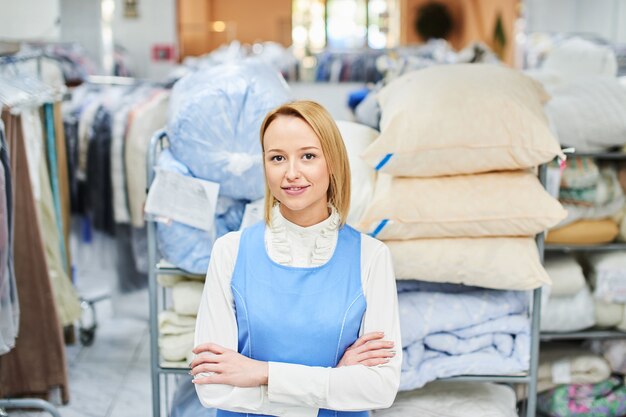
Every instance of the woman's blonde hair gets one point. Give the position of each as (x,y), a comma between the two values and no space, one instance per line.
(333,148)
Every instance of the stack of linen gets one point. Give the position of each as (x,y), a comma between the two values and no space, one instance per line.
(594,200)
(214,119)
(570,306)
(177,325)
(607,275)
(460,203)
(574,383)
(461,331)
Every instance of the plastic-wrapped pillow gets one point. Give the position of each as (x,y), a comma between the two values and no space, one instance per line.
(214,123)
(185,246)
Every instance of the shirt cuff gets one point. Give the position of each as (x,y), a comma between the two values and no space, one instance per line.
(298,384)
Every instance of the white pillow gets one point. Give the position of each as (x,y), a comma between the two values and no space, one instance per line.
(454,399)
(566,275)
(578,57)
(589,113)
(504,263)
(186,297)
(357,137)
(569,313)
(494,204)
(461,119)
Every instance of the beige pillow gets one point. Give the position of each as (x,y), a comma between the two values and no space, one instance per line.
(495,204)
(584,232)
(499,262)
(461,119)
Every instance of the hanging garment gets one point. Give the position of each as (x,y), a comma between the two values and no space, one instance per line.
(53,175)
(128,277)
(144,120)
(70,126)
(37,363)
(63,177)
(99,194)
(9,306)
(68,305)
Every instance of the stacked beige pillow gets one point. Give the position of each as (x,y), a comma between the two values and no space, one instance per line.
(460,202)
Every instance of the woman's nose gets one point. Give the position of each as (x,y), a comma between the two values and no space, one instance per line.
(293,171)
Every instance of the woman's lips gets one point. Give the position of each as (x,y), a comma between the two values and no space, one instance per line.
(295,190)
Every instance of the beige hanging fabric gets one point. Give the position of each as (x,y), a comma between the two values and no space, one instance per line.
(67,302)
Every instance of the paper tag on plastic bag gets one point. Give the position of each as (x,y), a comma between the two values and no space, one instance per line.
(187,200)
(561,372)
(253,213)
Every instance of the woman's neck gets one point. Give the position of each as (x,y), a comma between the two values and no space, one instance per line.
(305,218)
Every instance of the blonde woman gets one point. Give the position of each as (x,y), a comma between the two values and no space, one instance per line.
(299,315)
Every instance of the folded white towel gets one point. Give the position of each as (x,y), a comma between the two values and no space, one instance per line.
(186,296)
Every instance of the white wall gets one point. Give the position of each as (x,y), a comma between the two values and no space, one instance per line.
(156,24)
(29,19)
(38,19)
(604,18)
(81,22)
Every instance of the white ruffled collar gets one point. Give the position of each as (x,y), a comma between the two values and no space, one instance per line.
(285,236)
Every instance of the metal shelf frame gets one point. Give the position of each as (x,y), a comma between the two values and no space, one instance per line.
(586,248)
(593,333)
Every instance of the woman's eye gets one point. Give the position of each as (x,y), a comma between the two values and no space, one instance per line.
(277,158)
(308,156)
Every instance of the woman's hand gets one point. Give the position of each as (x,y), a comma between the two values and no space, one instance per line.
(225,366)
(368,350)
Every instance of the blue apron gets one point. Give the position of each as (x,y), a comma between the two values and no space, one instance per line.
(306,316)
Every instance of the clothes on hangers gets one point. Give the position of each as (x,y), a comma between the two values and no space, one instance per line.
(37,363)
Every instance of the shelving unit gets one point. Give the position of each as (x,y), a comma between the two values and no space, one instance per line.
(157,296)
(593,333)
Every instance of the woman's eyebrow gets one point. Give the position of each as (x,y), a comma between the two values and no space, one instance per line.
(301,149)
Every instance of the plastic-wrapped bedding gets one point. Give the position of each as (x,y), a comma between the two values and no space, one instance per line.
(185,246)
(214,121)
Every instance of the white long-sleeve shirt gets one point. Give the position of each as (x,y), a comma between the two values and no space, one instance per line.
(299,390)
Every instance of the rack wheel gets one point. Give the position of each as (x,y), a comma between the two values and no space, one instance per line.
(87,336)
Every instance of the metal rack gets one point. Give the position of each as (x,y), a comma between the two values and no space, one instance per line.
(157,295)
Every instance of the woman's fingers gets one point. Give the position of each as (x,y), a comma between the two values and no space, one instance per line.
(379,353)
(205,368)
(366,338)
(374,362)
(375,345)
(210,379)
(209,347)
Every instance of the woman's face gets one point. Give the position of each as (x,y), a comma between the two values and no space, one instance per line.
(296,170)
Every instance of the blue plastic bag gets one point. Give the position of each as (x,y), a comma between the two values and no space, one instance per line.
(214,121)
